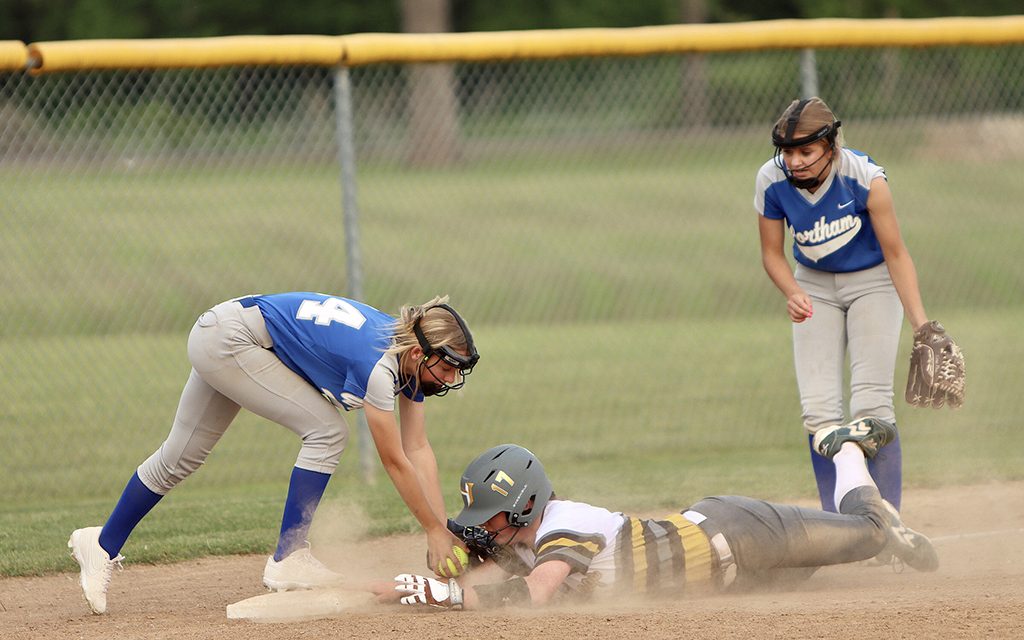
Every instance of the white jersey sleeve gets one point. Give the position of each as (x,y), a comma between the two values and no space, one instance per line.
(579,534)
(860,167)
(764,203)
(381,385)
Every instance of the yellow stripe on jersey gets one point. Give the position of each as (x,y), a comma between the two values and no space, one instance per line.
(639,556)
(592,547)
(576,549)
(664,556)
(699,559)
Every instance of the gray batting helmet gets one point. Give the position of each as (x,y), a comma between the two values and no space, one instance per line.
(504,478)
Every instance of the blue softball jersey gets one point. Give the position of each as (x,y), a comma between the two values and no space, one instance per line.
(337,345)
(831,228)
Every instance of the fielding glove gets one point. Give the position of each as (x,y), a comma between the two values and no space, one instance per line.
(937,375)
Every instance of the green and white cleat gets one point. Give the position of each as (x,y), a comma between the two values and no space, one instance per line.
(870,434)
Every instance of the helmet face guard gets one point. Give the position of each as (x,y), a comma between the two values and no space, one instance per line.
(787,141)
(479,541)
(451,357)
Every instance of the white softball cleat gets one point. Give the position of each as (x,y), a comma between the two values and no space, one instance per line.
(300,570)
(96,566)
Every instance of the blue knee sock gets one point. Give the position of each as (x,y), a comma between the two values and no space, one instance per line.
(825,476)
(886,469)
(304,493)
(136,501)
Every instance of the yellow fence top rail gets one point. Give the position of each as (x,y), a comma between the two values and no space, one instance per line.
(684,38)
(374,48)
(185,52)
(13,55)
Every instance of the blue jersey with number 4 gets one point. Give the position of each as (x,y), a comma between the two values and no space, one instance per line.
(831,228)
(337,345)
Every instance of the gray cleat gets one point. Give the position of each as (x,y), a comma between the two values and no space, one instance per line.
(913,548)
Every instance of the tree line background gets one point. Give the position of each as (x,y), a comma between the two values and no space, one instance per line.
(42,20)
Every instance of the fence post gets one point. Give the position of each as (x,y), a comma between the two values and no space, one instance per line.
(808,74)
(350,215)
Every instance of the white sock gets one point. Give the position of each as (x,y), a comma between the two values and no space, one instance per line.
(851,471)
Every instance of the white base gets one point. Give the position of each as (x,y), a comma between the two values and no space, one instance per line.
(290,606)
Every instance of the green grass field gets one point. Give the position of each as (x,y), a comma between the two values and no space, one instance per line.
(714,412)
(629,336)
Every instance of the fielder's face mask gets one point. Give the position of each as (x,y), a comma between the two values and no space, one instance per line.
(451,357)
(482,541)
(786,140)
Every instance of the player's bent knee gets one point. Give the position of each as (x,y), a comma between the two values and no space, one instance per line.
(875,541)
(321,451)
(867,502)
(160,478)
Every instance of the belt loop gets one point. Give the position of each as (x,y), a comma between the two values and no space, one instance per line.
(726,561)
(723,553)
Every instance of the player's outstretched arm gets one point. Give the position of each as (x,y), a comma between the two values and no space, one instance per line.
(417,448)
(538,588)
(545,579)
(487,571)
(386,436)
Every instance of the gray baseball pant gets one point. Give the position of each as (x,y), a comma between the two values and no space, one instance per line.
(859,312)
(779,544)
(233,366)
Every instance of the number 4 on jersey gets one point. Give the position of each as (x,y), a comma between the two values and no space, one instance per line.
(331,310)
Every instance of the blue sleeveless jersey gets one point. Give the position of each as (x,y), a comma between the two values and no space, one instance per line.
(336,344)
(831,228)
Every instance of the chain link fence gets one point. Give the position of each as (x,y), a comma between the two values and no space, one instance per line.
(592,218)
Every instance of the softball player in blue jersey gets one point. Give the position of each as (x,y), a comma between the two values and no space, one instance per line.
(853,282)
(296,359)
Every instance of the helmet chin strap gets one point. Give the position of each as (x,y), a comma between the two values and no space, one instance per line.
(514,534)
(810,183)
(436,388)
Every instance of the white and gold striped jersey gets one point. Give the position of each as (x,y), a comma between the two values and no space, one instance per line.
(609,551)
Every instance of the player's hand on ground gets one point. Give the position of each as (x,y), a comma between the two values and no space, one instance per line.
(419,590)
(799,307)
(384,591)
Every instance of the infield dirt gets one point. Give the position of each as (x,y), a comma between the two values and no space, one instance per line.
(977,593)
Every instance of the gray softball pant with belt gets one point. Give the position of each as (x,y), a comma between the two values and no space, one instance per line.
(859,312)
(233,366)
(778,544)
